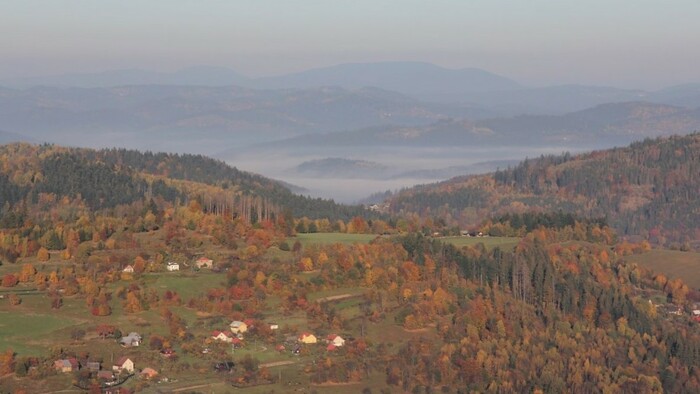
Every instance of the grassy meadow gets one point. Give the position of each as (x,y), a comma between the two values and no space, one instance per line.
(489,242)
(331,238)
(672,263)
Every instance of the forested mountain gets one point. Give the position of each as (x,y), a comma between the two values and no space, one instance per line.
(111,177)
(650,189)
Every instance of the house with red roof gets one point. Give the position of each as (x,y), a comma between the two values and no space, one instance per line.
(223,336)
(204,262)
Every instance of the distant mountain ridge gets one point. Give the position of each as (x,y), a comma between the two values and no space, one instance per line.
(423,81)
(203,118)
(603,125)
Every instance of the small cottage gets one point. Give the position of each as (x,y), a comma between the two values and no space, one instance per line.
(172,266)
(238,327)
(123,364)
(131,340)
(66,365)
(335,340)
(148,373)
(204,262)
(223,336)
(307,338)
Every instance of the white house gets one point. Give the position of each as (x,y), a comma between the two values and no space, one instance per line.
(129,268)
(238,327)
(335,340)
(223,336)
(172,266)
(123,364)
(133,339)
(274,326)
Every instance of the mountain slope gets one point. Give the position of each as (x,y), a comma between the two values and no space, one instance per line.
(650,189)
(108,178)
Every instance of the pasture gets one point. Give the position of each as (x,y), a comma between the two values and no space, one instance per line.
(332,238)
(31,333)
(489,242)
(672,263)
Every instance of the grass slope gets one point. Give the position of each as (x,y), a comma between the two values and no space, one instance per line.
(489,242)
(672,263)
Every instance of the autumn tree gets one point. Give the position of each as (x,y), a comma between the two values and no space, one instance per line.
(9,280)
(43,254)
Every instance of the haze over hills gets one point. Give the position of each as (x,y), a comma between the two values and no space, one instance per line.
(197,75)
(475,87)
(422,122)
(603,125)
(178,118)
(423,81)
(7,137)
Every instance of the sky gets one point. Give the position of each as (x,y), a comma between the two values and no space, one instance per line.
(624,43)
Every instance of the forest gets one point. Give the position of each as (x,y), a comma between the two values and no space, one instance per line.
(562,309)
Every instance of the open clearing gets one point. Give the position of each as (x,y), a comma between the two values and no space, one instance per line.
(332,238)
(672,263)
(489,242)
(30,334)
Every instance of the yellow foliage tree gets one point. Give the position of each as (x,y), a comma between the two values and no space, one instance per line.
(43,254)
(307,264)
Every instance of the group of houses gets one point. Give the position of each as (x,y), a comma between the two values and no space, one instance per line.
(120,366)
(201,263)
(332,342)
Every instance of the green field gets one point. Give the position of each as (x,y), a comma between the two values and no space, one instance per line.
(672,263)
(187,285)
(30,334)
(331,238)
(489,242)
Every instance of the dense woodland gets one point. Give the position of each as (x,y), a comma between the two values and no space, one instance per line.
(649,189)
(107,178)
(561,311)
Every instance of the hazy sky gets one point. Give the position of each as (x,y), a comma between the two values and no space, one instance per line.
(626,43)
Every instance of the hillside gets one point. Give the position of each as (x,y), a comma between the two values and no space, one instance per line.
(649,189)
(108,178)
